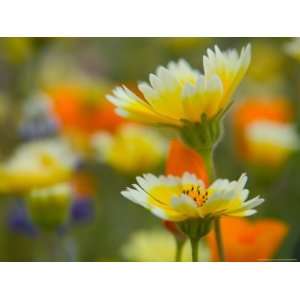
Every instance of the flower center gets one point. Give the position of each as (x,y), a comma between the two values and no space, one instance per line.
(197,193)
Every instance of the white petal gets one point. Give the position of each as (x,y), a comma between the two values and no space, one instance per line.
(189,178)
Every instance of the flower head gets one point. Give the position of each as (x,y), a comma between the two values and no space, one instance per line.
(178,93)
(263,130)
(292,48)
(249,241)
(181,198)
(37,164)
(158,245)
(271,143)
(131,149)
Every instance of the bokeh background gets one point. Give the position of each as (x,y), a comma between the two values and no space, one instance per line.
(54,88)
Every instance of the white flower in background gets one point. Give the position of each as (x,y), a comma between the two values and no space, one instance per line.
(271,142)
(37,164)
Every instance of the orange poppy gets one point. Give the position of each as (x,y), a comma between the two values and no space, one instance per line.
(182,159)
(246,240)
(83,110)
(253,109)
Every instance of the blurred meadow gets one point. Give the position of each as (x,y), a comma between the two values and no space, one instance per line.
(66,155)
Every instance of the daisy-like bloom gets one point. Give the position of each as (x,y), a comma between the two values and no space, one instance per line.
(246,240)
(178,93)
(132,149)
(264,132)
(181,198)
(37,164)
(158,246)
(292,48)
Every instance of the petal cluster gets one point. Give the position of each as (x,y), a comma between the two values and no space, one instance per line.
(180,198)
(131,149)
(177,92)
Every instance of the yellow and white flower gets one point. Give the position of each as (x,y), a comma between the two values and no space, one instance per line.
(131,149)
(158,246)
(178,93)
(37,164)
(178,199)
(271,142)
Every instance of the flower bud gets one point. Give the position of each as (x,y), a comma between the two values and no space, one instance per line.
(49,208)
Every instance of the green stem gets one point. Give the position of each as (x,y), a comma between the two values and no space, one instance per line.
(207,156)
(219,239)
(195,249)
(179,248)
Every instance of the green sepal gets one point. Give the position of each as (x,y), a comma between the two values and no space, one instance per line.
(203,135)
(195,229)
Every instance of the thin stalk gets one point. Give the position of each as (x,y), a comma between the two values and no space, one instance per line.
(195,249)
(219,239)
(207,156)
(179,248)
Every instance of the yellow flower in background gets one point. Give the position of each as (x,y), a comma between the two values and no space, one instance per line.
(182,198)
(271,143)
(131,149)
(37,164)
(178,93)
(158,246)
(292,48)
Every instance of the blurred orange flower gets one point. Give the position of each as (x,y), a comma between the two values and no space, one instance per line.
(182,159)
(83,184)
(258,116)
(84,110)
(246,240)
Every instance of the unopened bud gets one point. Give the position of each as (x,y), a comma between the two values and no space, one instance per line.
(49,208)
